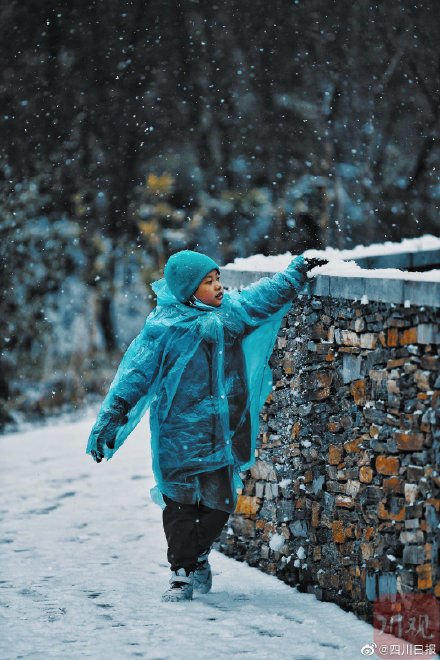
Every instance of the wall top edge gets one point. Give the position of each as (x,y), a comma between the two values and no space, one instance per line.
(400,291)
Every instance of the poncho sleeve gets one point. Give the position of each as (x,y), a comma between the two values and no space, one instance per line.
(268,295)
(129,395)
(262,306)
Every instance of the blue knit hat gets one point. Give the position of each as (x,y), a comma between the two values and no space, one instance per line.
(185,270)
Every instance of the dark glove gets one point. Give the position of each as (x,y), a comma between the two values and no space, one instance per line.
(114,419)
(97,456)
(315,261)
(296,271)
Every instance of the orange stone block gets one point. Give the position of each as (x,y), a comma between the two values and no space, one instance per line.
(358,392)
(428,551)
(387,464)
(353,445)
(365,474)
(315,514)
(334,454)
(392,485)
(295,431)
(408,336)
(382,338)
(392,336)
(437,590)
(369,533)
(338,531)
(424,576)
(398,362)
(408,441)
(247,505)
(386,515)
(330,355)
(334,427)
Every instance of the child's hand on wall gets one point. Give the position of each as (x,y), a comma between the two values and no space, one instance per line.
(312,262)
(296,271)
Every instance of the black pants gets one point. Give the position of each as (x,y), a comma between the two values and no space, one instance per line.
(190,529)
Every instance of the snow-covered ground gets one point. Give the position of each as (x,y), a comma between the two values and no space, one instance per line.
(341,260)
(83,560)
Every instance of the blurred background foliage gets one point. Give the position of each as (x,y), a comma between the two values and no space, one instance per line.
(132,129)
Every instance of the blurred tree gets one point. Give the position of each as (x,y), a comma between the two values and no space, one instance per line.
(232,97)
(35,258)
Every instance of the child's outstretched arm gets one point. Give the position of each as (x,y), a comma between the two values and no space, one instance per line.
(133,380)
(269,294)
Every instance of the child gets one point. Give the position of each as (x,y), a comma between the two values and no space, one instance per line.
(200,364)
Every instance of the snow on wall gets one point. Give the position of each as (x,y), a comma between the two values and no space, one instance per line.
(342,261)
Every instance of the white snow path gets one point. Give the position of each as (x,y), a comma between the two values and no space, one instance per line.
(83,559)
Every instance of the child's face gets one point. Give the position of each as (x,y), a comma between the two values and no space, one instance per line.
(210,290)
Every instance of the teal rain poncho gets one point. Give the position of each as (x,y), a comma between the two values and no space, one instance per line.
(203,372)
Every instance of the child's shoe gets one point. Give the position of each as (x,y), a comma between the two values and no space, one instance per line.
(203,574)
(181,587)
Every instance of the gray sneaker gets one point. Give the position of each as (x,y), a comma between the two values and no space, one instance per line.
(181,586)
(203,574)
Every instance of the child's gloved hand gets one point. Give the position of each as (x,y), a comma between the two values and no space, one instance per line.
(296,271)
(114,419)
(97,456)
(312,262)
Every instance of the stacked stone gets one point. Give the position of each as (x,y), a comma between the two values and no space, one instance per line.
(344,498)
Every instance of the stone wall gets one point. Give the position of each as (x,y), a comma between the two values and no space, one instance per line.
(344,498)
